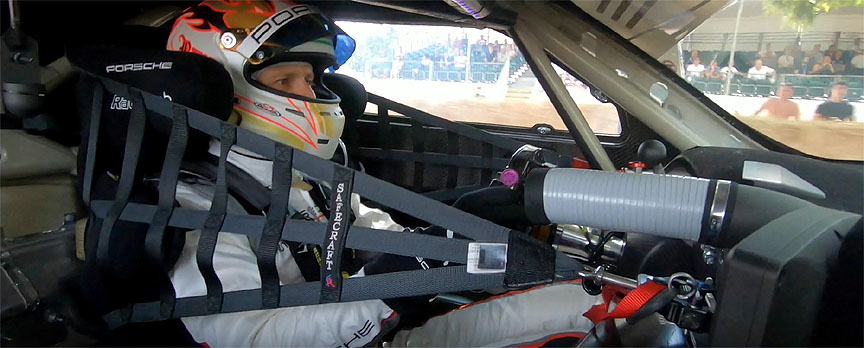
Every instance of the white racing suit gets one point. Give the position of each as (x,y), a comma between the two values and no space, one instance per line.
(351,324)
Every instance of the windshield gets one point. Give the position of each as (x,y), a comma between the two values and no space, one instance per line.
(793,70)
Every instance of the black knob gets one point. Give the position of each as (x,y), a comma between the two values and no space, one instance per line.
(651,152)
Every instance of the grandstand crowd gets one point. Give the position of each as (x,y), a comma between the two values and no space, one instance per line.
(454,60)
(810,74)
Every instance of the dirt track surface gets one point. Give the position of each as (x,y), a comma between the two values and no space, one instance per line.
(829,139)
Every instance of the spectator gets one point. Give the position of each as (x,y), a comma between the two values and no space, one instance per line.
(786,62)
(814,57)
(835,108)
(713,71)
(484,53)
(824,67)
(759,71)
(493,53)
(425,66)
(397,66)
(693,56)
(838,62)
(781,107)
(482,40)
(461,61)
(831,50)
(726,71)
(857,63)
(798,54)
(696,69)
(768,57)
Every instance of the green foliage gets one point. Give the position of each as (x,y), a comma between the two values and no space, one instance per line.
(800,13)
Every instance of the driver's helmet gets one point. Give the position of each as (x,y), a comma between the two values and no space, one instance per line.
(247,37)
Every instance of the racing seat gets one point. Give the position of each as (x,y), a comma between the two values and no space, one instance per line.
(188,79)
(193,81)
(353,104)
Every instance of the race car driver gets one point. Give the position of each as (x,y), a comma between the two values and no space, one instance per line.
(279,94)
(276,53)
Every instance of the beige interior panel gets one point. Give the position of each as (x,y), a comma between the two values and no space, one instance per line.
(29,209)
(23,155)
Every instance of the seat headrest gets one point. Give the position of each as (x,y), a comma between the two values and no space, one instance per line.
(188,79)
(352,93)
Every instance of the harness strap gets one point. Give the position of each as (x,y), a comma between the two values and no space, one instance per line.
(333,244)
(272,232)
(155,238)
(213,224)
(134,137)
(93,137)
(631,303)
(254,197)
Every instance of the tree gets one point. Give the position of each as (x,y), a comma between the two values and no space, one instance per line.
(800,13)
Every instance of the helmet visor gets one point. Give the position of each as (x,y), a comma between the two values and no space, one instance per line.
(308,33)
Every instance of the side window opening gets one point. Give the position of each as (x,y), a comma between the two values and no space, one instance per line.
(469,75)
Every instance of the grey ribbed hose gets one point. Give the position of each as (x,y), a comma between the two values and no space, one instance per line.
(661,205)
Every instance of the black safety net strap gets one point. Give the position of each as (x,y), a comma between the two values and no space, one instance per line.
(419,143)
(488,161)
(444,159)
(365,185)
(453,150)
(486,173)
(458,128)
(337,226)
(213,224)
(272,233)
(362,238)
(134,137)
(378,286)
(92,138)
(384,128)
(154,242)
(464,130)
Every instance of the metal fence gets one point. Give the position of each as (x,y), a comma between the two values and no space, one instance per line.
(803,86)
(437,71)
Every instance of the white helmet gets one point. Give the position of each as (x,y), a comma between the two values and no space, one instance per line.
(247,37)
